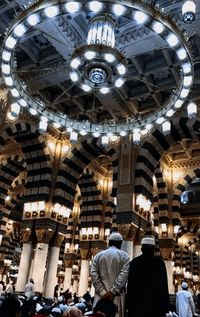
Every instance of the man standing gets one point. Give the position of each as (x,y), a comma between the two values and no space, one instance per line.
(109,272)
(185,306)
(29,291)
(147,291)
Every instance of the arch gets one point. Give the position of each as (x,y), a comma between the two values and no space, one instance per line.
(181,187)
(37,158)
(153,148)
(73,166)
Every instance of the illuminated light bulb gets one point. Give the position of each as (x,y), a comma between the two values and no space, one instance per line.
(14,92)
(170,113)
(178,104)
(186,68)
(160,120)
(158,27)
(10,42)
(184,93)
(85,87)
(104,90)
(33,19)
(182,54)
(188,11)
(95,6)
(121,69)
(104,140)
(33,111)
(118,9)
(72,6)
(123,133)
(172,40)
(74,76)
(187,81)
(75,63)
(140,17)
(119,82)
(56,125)
(192,110)
(6,56)
(51,11)
(5,69)
(166,127)
(83,132)
(96,134)
(23,103)
(89,55)
(19,30)
(73,137)
(110,58)
(8,81)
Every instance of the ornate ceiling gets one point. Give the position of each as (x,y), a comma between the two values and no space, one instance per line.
(43,56)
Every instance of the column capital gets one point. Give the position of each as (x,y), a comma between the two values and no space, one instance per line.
(68,263)
(58,240)
(44,235)
(127,231)
(26,235)
(85,254)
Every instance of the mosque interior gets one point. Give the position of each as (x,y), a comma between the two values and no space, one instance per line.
(99,132)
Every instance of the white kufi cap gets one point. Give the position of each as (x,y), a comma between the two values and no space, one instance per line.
(184,285)
(149,240)
(115,236)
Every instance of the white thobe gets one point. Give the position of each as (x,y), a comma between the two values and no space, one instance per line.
(109,273)
(185,306)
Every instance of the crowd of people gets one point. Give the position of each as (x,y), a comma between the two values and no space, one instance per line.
(120,287)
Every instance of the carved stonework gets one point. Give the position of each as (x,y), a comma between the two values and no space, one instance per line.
(26,235)
(166,254)
(68,263)
(58,240)
(85,254)
(127,231)
(44,236)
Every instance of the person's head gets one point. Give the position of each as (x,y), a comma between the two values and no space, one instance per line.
(56,312)
(60,299)
(115,240)
(73,311)
(31,280)
(106,307)
(148,246)
(184,286)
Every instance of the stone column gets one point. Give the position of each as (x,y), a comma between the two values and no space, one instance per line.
(166,254)
(25,261)
(128,247)
(51,274)
(75,285)
(68,274)
(84,274)
(43,236)
(137,250)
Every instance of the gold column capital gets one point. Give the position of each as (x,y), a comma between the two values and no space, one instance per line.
(166,254)
(44,235)
(58,240)
(26,235)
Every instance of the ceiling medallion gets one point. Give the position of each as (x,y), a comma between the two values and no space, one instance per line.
(97,64)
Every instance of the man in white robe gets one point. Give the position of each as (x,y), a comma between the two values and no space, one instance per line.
(29,290)
(109,273)
(185,306)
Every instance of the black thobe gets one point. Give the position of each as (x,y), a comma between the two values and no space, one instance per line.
(147,290)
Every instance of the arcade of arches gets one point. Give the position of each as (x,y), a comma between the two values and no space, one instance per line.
(60,200)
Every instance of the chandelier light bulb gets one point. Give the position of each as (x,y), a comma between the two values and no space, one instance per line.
(140,17)
(121,69)
(160,120)
(57,125)
(9,81)
(104,140)
(51,11)
(75,63)
(33,19)
(192,110)
(170,113)
(123,133)
(158,27)
(109,58)
(95,6)
(188,11)
(19,30)
(104,90)
(74,76)
(5,68)
(14,92)
(33,111)
(184,93)
(166,127)
(10,42)
(178,104)
(6,56)
(90,55)
(182,54)
(172,40)
(86,87)
(96,134)
(118,9)
(186,68)
(119,82)
(187,81)
(72,6)
(23,103)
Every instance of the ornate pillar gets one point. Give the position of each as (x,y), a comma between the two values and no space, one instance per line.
(75,284)
(43,236)
(25,260)
(68,274)
(51,277)
(166,255)
(84,274)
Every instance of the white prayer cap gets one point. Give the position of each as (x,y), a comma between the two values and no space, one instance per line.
(184,285)
(149,240)
(56,310)
(115,236)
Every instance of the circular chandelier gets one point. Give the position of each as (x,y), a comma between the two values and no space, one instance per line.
(98,64)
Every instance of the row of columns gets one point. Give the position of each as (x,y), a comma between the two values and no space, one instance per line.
(41,264)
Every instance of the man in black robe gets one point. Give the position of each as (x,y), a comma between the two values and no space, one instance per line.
(147,290)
